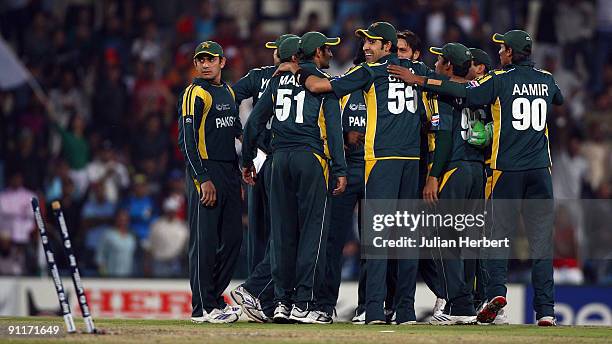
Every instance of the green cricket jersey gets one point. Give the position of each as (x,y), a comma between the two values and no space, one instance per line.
(453,116)
(253,85)
(354,119)
(521,99)
(208,125)
(302,120)
(394,109)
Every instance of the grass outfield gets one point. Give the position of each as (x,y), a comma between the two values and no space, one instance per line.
(177,331)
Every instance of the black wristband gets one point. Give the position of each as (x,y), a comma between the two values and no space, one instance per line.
(302,76)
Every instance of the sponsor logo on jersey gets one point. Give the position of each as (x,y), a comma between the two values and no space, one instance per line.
(222,107)
(435,120)
(355,107)
(188,120)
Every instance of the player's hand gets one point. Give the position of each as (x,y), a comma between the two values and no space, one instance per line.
(209,193)
(249,175)
(355,138)
(286,67)
(340,185)
(403,73)
(430,191)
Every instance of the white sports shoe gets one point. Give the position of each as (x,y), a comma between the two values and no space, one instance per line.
(250,304)
(359,319)
(547,321)
(282,313)
(310,317)
(445,319)
(224,316)
(501,318)
(199,320)
(439,306)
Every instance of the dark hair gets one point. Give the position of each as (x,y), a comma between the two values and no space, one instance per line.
(359,54)
(393,46)
(412,39)
(461,70)
(518,57)
(486,68)
(288,59)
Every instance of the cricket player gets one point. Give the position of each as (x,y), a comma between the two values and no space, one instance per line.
(208,126)
(391,149)
(456,173)
(306,131)
(256,294)
(520,97)
(409,47)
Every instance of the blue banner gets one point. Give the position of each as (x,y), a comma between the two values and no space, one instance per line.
(576,305)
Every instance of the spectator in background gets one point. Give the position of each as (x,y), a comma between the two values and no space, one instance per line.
(115,251)
(75,151)
(167,240)
(569,171)
(16,210)
(141,208)
(26,154)
(205,23)
(12,259)
(596,151)
(565,263)
(111,173)
(110,99)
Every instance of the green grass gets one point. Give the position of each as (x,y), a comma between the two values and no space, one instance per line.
(182,331)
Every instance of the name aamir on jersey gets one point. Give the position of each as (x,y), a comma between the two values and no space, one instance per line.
(530,90)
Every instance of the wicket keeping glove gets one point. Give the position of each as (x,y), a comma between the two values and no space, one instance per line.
(479,134)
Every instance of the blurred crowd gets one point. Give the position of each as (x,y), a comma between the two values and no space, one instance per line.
(102,140)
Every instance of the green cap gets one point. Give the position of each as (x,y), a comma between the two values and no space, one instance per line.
(312,40)
(379,30)
(456,53)
(518,40)
(279,40)
(289,47)
(481,57)
(210,48)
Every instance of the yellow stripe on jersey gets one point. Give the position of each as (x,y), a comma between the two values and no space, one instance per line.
(199,92)
(491,182)
(431,106)
(446,177)
(325,168)
(343,101)
(369,165)
(323,132)
(372,115)
(185,102)
(231,90)
(547,143)
(496,112)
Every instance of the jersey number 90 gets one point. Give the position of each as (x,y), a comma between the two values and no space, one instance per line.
(401,97)
(529,114)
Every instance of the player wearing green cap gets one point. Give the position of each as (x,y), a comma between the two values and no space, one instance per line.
(256,294)
(520,97)
(391,149)
(307,132)
(208,126)
(456,173)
